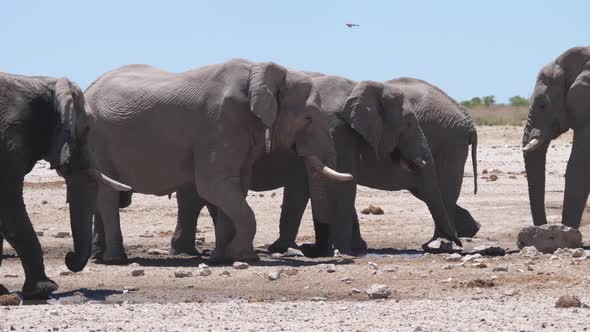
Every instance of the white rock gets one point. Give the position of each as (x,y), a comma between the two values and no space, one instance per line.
(469,258)
(373,266)
(203,272)
(240,265)
(292,252)
(61,235)
(331,268)
(453,257)
(347,280)
(276,275)
(578,252)
(203,266)
(378,291)
(225,273)
(529,251)
(130,288)
(355,291)
(501,268)
(156,252)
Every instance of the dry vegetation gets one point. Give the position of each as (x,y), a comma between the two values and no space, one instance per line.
(499,115)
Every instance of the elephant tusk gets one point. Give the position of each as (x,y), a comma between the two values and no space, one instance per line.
(105,180)
(326,171)
(534,144)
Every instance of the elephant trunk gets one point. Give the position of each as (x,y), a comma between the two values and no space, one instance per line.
(82,190)
(534,161)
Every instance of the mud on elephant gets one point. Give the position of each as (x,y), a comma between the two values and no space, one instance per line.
(387,132)
(160,131)
(45,118)
(560,101)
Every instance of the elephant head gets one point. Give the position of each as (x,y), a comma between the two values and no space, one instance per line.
(383,118)
(560,88)
(70,155)
(281,99)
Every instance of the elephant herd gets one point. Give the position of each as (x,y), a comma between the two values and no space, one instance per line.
(216,132)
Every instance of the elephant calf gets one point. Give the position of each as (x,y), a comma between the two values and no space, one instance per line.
(560,101)
(45,118)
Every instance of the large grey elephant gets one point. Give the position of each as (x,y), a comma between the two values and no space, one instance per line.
(394,133)
(204,128)
(560,101)
(45,118)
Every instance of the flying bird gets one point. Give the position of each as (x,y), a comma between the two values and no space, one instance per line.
(350,25)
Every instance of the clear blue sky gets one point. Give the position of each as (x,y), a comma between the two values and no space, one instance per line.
(468,48)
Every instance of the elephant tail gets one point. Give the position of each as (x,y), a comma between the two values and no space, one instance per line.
(473,142)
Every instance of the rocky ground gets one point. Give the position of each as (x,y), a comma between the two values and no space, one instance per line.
(428,292)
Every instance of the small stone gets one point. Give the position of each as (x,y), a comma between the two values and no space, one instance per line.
(9,299)
(578,252)
(568,301)
(448,267)
(156,252)
(548,238)
(203,266)
(65,272)
(510,292)
(453,257)
(501,268)
(378,292)
(373,266)
(485,171)
(61,235)
(355,291)
(331,268)
(480,265)
(375,210)
(183,274)
(130,288)
(147,235)
(224,273)
(54,313)
(489,250)
(240,265)
(493,178)
(529,252)
(277,255)
(469,258)
(441,245)
(40,233)
(204,272)
(137,273)
(347,280)
(276,275)
(290,272)
(11,275)
(292,252)
(318,299)
(553,258)
(44,202)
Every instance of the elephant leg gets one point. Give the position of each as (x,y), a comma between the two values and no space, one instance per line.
(224,233)
(341,227)
(323,245)
(465,225)
(577,183)
(1,246)
(295,198)
(19,233)
(189,206)
(107,212)
(358,245)
(98,237)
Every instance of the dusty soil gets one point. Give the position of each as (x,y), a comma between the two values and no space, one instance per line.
(429,293)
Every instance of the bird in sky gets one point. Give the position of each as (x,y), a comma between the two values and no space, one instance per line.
(350,25)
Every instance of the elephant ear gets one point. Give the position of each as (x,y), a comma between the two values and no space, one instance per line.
(579,91)
(363,112)
(265,82)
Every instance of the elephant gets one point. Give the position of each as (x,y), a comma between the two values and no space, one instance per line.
(44,118)
(399,159)
(560,101)
(160,131)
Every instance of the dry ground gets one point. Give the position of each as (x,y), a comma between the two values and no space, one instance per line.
(429,293)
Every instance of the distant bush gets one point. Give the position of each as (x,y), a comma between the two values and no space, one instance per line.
(477,102)
(518,101)
(499,115)
(489,100)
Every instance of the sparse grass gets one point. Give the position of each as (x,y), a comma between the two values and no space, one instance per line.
(499,115)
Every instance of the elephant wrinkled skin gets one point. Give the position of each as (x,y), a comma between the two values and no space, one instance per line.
(560,101)
(45,118)
(201,129)
(335,219)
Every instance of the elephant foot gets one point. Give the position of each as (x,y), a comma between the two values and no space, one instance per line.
(281,246)
(359,246)
(467,228)
(113,260)
(218,257)
(184,251)
(315,251)
(97,253)
(39,289)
